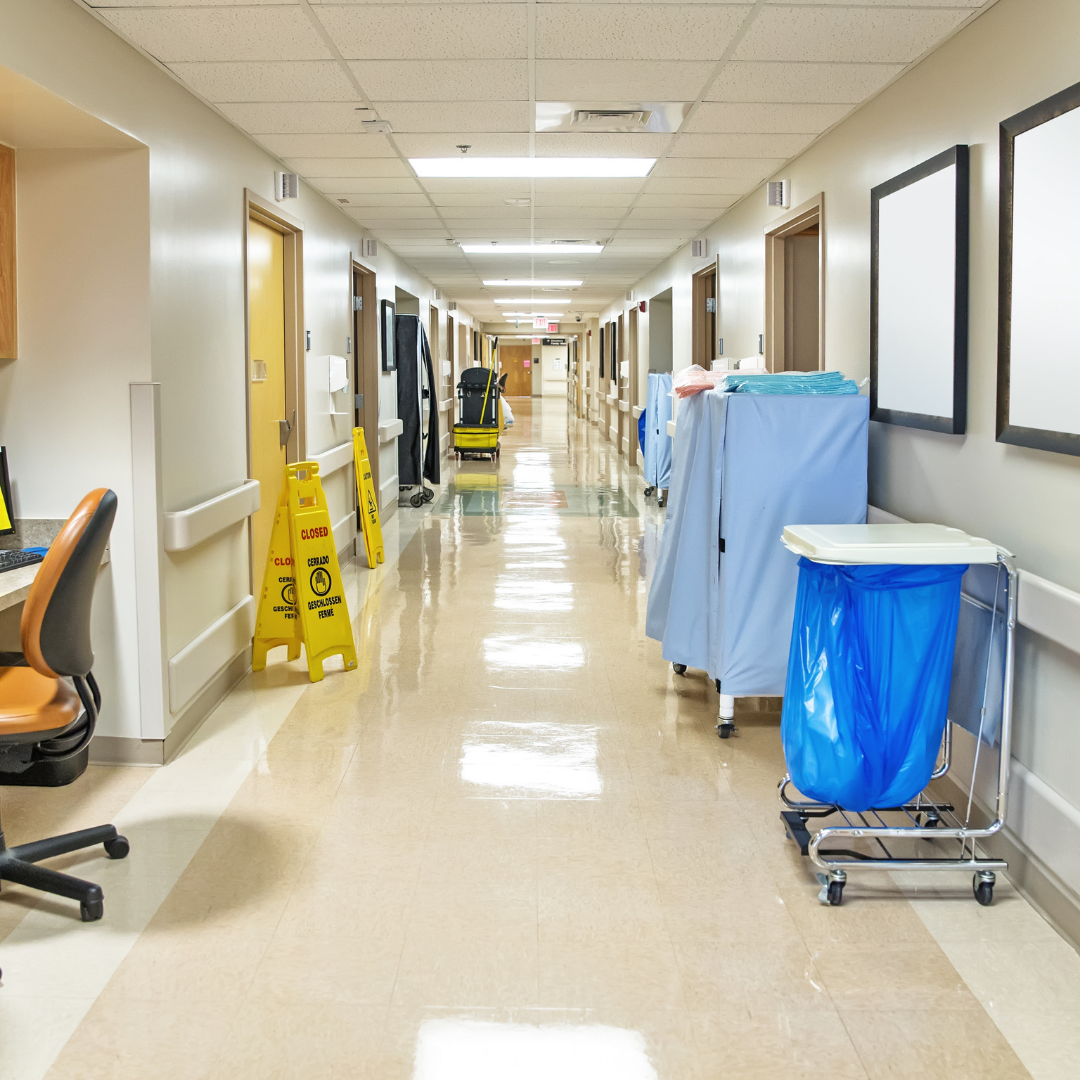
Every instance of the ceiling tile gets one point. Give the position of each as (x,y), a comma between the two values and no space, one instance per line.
(492,210)
(582,144)
(849,83)
(621,80)
(700,185)
(242,33)
(880,35)
(347,166)
(739,146)
(396,213)
(585,198)
(309,117)
(635,31)
(885,3)
(483,144)
(427,32)
(284,80)
(502,188)
(443,80)
(371,199)
(736,168)
(439,116)
(566,186)
(327,145)
(705,202)
(377,185)
(758,118)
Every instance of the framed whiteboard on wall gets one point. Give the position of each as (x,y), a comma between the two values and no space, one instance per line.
(919,295)
(1038,391)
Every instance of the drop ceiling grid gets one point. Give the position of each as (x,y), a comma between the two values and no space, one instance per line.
(764,79)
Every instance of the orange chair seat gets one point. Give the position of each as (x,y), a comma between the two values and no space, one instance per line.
(32,702)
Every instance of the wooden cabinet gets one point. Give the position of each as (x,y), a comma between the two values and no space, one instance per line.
(8,312)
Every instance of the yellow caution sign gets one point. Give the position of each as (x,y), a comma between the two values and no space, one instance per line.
(278,621)
(324,615)
(369,503)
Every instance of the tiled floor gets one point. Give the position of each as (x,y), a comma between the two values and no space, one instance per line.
(509,846)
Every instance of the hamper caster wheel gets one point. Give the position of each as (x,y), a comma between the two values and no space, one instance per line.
(649,491)
(931,820)
(982,885)
(428,494)
(836,893)
(679,669)
(417,499)
(91,910)
(117,848)
(724,729)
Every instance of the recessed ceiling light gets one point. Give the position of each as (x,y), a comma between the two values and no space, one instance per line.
(530,249)
(568,167)
(532,300)
(524,283)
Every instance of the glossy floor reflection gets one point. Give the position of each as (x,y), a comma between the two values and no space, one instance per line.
(508,845)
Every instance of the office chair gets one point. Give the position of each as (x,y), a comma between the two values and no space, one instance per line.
(41,715)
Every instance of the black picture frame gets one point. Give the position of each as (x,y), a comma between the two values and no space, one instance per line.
(388,313)
(601,353)
(956,424)
(1060,442)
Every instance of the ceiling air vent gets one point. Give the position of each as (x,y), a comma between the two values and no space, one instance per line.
(286,186)
(610,119)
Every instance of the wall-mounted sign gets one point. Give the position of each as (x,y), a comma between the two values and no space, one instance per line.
(554,341)
(552,328)
(540,322)
(528,363)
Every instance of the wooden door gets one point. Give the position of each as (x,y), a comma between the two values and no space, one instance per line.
(366,367)
(514,359)
(266,322)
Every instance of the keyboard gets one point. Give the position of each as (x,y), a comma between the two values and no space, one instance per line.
(12,560)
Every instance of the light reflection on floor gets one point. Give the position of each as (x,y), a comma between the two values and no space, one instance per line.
(482,1050)
(516,651)
(534,760)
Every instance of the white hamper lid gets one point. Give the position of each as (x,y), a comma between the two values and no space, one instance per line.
(928,545)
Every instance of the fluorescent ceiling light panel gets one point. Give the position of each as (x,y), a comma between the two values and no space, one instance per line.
(532,249)
(534,299)
(569,167)
(525,283)
(532,314)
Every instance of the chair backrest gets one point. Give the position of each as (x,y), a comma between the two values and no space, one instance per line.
(55,625)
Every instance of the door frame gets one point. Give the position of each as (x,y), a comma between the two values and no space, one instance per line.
(292,229)
(703,343)
(368,349)
(811,212)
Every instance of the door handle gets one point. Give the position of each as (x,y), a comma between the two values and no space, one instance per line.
(285,429)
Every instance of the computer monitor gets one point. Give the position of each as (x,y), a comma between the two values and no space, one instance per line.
(7,510)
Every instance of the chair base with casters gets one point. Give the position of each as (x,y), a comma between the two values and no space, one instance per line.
(19,864)
(49,699)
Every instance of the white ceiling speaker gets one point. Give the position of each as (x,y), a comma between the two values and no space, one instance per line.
(371,249)
(437,294)
(699,249)
(451,305)
(779,193)
(286,186)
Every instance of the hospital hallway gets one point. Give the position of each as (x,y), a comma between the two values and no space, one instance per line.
(509,845)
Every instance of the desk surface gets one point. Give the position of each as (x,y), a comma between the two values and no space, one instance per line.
(15,585)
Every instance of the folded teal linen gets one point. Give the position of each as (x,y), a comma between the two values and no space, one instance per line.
(790,382)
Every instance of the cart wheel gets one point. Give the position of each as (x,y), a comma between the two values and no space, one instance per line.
(428,494)
(679,669)
(661,501)
(931,820)
(498,451)
(417,499)
(982,885)
(836,893)
(649,491)
(725,729)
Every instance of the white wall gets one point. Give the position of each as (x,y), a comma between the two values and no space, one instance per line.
(1014,55)
(191,307)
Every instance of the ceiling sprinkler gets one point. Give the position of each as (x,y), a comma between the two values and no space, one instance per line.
(464,147)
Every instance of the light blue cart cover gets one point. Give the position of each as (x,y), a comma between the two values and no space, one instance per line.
(657,447)
(746,465)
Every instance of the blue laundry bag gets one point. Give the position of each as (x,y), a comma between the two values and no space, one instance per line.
(868,680)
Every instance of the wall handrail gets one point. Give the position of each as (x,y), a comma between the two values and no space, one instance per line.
(184,529)
(335,459)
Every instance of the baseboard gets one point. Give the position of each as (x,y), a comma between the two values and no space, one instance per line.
(114,750)
(1032,878)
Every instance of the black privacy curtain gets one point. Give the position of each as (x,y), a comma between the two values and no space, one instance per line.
(418,450)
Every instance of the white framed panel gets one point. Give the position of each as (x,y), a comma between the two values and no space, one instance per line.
(919,295)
